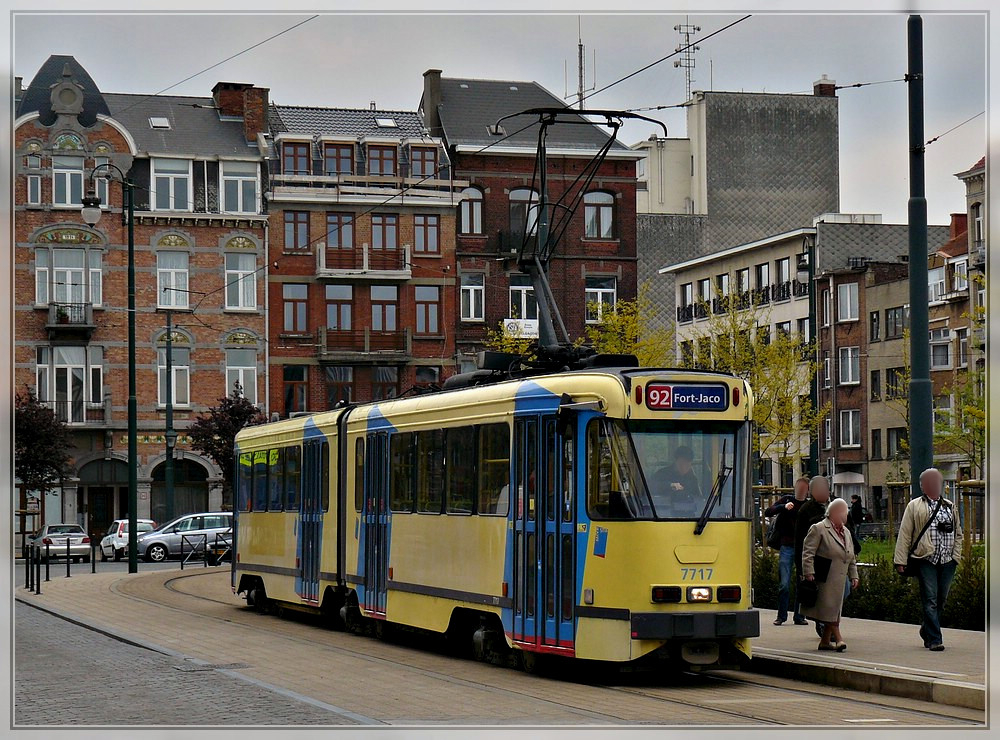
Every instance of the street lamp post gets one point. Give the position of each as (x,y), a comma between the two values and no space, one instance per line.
(171,435)
(805,273)
(91,213)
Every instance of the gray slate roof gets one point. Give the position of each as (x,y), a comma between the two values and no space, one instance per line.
(838,242)
(353,122)
(468,107)
(195,131)
(36,96)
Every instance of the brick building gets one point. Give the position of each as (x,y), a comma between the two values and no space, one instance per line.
(361,282)
(199,247)
(594,264)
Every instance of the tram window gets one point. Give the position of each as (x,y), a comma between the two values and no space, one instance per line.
(275,468)
(494,469)
(550,575)
(430,471)
(551,476)
(531,464)
(566,565)
(615,488)
(260,480)
(359,474)
(529,575)
(293,471)
(401,471)
(460,469)
(568,484)
(244,481)
(324,467)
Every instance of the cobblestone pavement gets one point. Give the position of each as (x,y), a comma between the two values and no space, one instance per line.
(67,674)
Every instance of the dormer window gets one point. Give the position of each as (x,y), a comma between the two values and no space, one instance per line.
(239,187)
(338,159)
(386,123)
(423,161)
(295,159)
(382,160)
(159,122)
(171,185)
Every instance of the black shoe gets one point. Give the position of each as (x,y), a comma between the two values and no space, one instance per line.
(801,622)
(923,636)
(778,622)
(937,647)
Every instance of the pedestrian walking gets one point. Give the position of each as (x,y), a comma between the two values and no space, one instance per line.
(786,509)
(930,534)
(812,511)
(828,559)
(857,510)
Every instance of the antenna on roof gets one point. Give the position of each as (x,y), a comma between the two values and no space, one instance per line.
(581,58)
(687,50)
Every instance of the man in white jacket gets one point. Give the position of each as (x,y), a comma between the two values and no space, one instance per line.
(933,520)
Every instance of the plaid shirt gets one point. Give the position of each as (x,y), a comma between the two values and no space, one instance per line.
(943,542)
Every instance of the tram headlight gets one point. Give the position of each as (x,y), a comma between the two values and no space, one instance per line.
(699,593)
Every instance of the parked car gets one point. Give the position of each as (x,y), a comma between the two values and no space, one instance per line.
(194,531)
(115,542)
(56,535)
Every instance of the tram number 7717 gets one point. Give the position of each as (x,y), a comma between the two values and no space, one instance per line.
(696,574)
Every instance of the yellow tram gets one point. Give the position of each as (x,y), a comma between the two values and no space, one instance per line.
(600,514)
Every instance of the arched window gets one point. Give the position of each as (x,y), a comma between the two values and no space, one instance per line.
(598,213)
(470,212)
(523,211)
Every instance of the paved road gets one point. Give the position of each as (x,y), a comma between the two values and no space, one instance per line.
(68,674)
(364,680)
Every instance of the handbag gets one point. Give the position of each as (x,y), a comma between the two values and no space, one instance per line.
(912,567)
(821,566)
(808,593)
(773,535)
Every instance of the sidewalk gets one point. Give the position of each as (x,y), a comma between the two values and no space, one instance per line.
(882,657)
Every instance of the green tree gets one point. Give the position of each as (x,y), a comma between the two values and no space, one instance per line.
(41,448)
(736,338)
(628,329)
(507,338)
(214,433)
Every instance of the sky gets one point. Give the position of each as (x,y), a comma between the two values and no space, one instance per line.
(349,60)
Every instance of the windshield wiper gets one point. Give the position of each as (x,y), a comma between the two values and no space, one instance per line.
(716,493)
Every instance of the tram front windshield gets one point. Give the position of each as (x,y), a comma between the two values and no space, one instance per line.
(665,469)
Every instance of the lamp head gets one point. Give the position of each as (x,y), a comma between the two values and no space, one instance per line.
(91,210)
(802,269)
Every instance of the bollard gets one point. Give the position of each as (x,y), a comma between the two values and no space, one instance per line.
(47,559)
(67,556)
(28,568)
(182,552)
(38,574)
(93,556)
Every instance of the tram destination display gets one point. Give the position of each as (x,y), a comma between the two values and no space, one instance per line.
(686,397)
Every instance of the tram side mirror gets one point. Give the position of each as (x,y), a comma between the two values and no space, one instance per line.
(569,410)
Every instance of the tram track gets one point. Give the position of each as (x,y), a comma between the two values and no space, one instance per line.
(759,703)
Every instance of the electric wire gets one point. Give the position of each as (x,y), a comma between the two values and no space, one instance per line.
(967,120)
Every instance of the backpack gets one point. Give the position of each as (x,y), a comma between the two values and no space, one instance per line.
(773,538)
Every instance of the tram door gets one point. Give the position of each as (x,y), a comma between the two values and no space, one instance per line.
(376,522)
(544,578)
(315,480)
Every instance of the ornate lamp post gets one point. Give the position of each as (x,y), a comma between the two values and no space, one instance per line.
(804,273)
(91,213)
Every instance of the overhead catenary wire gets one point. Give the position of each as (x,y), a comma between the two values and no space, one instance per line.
(967,120)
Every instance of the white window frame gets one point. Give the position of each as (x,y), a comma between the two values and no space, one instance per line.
(827,369)
(87,278)
(245,375)
(473,296)
(852,428)
(90,376)
(825,301)
(943,410)
(172,277)
(850,365)
(852,312)
(940,338)
(602,297)
(172,179)
(245,281)
(962,340)
(180,368)
(241,179)
(62,171)
(960,276)
(33,193)
(936,285)
(470,212)
(101,182)
(95,375)
(525,297)
(827,433)
(599,215)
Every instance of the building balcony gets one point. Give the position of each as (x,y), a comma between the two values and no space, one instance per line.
(364,346)
(363,262)
(762,296)
(782,291)
(800,290)
(979,254)
(76,413)
(685,313)
(70,321)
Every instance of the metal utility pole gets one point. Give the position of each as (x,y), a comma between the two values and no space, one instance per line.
(687,53)
(171,435)
(921,411)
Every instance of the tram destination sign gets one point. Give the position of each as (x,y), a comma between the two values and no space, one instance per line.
(687,397)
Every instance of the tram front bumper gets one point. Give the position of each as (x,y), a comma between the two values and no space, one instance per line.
(695,625)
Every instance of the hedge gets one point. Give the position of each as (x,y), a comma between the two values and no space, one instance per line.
(883,595)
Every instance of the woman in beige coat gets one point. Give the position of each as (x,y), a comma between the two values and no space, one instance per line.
(830,538)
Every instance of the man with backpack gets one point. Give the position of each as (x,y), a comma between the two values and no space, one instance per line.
(786,509)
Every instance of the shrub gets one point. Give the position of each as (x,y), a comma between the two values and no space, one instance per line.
(966,605)
(765,578)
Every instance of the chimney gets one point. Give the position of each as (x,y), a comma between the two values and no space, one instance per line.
(825,87)
(255,105)
(959,224)
(228,97)
(432,99)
